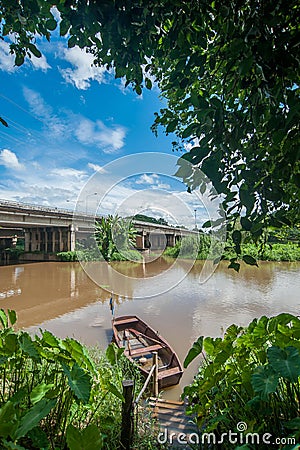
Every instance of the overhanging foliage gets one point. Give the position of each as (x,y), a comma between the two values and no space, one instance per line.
(228,70)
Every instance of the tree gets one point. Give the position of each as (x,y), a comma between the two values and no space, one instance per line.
(229,72)
(115,237)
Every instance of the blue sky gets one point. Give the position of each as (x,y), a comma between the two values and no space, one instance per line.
(67,121)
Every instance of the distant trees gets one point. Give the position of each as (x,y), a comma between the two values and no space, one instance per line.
(115,238)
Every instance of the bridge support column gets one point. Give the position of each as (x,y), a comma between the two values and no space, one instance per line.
(71,238)
(27,243)
(170,240)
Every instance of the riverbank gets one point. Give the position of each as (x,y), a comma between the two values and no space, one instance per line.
(289,252)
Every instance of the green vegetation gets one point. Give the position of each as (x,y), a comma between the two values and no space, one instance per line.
(143,218)
(81,254)
(115,238)
(16,251)
(194,247)
(54,394)
(200,248)
(250,375)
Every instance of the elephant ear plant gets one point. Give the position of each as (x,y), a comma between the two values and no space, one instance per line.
(51,393)
(250,376)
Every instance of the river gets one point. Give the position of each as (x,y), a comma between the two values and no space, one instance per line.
(62,298)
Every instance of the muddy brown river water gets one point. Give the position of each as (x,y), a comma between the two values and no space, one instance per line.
(62,298)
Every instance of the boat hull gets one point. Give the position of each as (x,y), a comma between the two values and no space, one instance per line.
(140,341)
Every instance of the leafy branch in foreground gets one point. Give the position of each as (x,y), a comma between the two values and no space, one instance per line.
(251,375)
(53,393)
(229,72)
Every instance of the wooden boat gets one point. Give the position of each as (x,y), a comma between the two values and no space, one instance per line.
(139,341)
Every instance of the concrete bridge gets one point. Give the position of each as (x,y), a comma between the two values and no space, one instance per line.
(52,230)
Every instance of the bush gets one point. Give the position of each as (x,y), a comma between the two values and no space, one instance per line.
(54,394)
(252,375)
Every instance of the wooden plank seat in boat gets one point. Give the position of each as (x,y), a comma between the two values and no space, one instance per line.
(144,350)
(167,372)
(124,321)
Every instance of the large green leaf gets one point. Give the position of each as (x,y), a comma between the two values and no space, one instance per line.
(3,318)
(39,391)
(114,390)
(12,316)
(78,353)
(79,382)
(113,353)
(7,418)
(285,362)
(194,351)
(89,438)
(28,346)
(49,340)
(32,418)
(264,381)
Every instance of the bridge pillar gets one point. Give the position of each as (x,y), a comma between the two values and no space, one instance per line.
(71,238)
(170,240)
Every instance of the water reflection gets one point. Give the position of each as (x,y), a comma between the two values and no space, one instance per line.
(60,297)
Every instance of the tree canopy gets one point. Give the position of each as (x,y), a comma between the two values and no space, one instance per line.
(229,71)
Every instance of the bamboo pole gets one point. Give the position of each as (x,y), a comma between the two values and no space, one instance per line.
(127,420)
(155,375)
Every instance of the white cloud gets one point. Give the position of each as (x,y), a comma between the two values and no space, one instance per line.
(40,63)
(10,160)
(7,60)
(96,133)
(96,168)
(82,72)
(44,112)
(69,173)
(153,180)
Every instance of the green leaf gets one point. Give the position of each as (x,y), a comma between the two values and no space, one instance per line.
(188,131)
(89,438)
(32,418)
(112,388)
(245,65)
(12,316)
(293,424)
(246,199)
(19,60)
(39,438)
(148,83)
(79,382)
(3,318)
(64,27)
(34,50)
(194,352)
(51,24)
(113,353)
(237,237)
(7,418)
(285,362)
(49,340)
(234,265)
(72,41)
(12,445)
(264,381)
(39,391)
(248,259)
(28,346)
(246,224)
